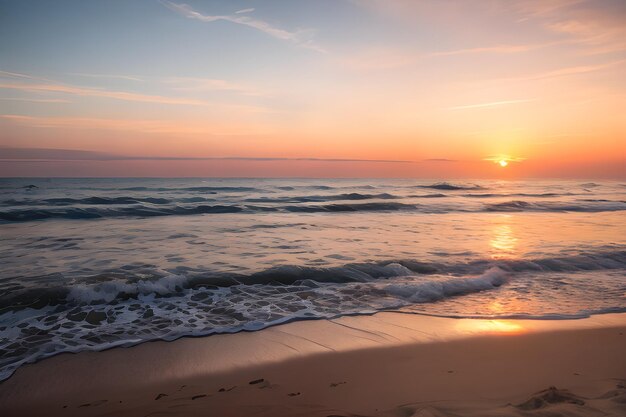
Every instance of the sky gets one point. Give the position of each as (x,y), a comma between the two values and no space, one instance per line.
(325,88)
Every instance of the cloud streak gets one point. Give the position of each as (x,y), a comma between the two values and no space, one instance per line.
(36,100)
(563,72)
(14,75)
(540,8)
(490,104)
(574,70)
(497,49)
(109,76)
(296,38)
(48,155)
(135,125)
(195,84)
(595,26)
(93,92)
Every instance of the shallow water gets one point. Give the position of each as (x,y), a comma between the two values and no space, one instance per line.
(89,264)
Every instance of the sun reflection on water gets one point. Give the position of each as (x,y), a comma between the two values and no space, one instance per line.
(503,241)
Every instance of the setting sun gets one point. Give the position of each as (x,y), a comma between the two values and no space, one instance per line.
(503,163)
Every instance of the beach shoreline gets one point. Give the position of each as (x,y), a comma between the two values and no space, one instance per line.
(359,365)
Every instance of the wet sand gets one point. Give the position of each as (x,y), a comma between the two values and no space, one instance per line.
(388,364)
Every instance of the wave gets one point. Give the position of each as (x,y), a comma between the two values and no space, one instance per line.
(323,198)
(124,284)
(160,209)
(326,187)
(437,290)
(204,189)
(86,201)
(132,305)
(539,195)
(451,187)
(76,213)
(202,312)
(438,195)
(520,205)
(335,208)
(194,189)
(130,200)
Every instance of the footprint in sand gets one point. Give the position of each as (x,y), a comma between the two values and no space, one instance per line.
(161,395)
(227,389)
(551,395)
(261,383)
(94,404)
(293,394)
(336,384)
(195,397)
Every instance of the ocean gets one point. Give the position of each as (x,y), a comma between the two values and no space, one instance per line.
(90,264)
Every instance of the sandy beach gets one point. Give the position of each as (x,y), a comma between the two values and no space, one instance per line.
(388,364)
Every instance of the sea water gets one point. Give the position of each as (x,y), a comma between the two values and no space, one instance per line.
(89,264)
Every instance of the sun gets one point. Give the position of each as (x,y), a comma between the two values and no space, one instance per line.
(503,163)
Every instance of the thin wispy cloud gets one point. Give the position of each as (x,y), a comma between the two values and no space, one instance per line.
(490,104)
(575,70)
(93,92)
(210,84)
(250,10)
(18,75)
(152,126)
(595,36)
(297,38)
(597,27)
(375,58)
(108,76)
(563,72)
(177,84)
(46,154)
(14,75)
(440,160)
(36,100)
(497,49)
(539,8)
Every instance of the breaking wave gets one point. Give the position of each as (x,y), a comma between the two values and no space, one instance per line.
(436,290)
(125,284)
(126,307)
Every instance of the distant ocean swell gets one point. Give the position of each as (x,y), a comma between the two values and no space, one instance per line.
(59,200)
(158,207)
(126,200)
(216,189)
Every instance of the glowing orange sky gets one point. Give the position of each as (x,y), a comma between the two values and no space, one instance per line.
(436,89)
